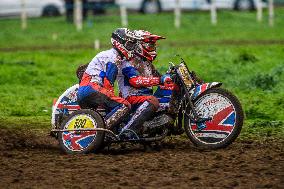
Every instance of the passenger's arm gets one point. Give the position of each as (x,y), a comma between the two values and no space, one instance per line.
(138,81)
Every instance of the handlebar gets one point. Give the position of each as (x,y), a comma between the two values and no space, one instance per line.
(172,67)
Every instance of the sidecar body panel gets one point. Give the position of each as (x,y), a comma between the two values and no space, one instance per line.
(198,90)
(65,104)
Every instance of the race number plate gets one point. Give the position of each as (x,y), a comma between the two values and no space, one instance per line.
(184,74)
(81,122)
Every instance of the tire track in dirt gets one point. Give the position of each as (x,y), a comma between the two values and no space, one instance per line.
(169,43)
(33,160)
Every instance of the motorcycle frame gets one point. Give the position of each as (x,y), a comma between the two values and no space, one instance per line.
(117,138)
(184,104)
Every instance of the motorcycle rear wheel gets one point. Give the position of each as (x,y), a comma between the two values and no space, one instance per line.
(227,119)
(81,142)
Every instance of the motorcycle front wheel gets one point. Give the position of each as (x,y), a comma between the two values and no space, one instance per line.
(77,134)
(226,122)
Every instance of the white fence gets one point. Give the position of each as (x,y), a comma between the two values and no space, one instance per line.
(177,10)
(212,7)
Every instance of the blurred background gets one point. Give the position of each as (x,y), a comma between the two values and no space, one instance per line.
(237,42)
(12,8)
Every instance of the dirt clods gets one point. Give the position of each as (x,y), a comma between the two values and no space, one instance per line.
(33,160)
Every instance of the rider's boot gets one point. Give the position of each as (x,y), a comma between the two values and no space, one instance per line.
(116,115)
(142,114)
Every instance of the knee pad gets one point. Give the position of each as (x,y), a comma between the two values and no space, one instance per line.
(126,103)
(154,101)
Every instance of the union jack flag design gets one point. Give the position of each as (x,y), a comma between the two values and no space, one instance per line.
(71,107)
(77,142)
(66,104)
(202,88)
(223,121)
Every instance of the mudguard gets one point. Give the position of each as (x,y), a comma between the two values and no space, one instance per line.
(66,104)
(199,89)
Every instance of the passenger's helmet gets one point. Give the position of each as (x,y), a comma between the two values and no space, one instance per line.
(125,42)
(146,45)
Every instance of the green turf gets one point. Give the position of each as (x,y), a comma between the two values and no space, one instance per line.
(30,79)
(232,25)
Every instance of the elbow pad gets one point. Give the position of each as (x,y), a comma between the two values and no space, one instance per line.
(144,81)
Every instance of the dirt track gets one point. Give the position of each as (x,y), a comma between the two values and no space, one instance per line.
(35,161)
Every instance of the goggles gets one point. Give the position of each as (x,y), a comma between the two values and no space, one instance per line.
(130,45)
(149,46)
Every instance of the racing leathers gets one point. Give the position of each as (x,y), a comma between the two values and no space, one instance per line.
(96,87)
(136,78)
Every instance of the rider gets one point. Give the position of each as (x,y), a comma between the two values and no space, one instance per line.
(96,85)
(137,76)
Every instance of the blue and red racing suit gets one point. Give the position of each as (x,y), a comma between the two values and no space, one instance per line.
(96,87)
(136,79)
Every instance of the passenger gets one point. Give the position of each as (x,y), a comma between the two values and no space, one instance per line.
(96,85)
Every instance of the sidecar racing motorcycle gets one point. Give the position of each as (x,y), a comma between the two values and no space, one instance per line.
(211,117)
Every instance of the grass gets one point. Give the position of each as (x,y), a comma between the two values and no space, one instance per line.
(195,27)
(31,78)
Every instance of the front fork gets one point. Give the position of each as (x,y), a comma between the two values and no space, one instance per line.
(186,107)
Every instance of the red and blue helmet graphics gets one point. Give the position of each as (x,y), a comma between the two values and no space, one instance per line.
(124,41)
(146,47)
(137,42)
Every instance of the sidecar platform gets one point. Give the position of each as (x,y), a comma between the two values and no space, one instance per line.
(113,138)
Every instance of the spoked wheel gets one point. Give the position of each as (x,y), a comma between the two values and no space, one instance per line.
(227,119)
(80,142)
